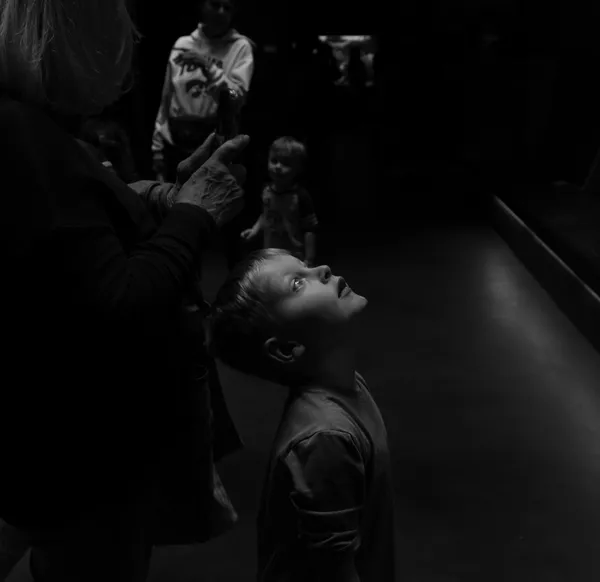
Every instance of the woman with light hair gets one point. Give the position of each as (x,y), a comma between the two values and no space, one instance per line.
(106,419)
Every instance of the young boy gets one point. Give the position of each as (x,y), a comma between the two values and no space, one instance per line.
(288,219)
(326,512)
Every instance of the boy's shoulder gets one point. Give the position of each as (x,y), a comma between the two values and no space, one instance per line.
(314,412)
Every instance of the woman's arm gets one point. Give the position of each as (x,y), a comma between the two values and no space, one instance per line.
(157,196)
(139,285)
(67,218)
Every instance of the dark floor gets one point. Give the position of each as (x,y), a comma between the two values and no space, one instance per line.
(492,401)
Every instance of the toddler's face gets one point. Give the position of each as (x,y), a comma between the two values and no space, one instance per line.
(282,170)
(309,299)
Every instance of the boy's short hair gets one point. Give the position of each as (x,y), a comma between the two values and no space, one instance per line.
(241,320)
(290,148)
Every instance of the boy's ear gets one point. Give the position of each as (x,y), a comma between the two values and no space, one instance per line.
(283,352)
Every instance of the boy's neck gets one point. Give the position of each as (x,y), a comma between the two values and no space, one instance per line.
(336,368)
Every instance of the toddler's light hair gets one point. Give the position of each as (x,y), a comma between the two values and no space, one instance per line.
(289,148)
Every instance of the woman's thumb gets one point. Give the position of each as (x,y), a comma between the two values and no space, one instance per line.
(226,153)
(193,163)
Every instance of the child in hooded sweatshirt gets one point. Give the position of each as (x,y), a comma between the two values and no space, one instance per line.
(212,60)
(288,220)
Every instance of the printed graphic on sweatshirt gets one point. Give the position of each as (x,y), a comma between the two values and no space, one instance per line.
(187,90)
(194,71)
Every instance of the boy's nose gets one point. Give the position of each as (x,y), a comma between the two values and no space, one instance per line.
(324,273)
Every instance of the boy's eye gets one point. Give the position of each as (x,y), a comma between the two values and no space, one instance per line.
(297,283)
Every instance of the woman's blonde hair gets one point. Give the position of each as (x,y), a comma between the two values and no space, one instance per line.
(71,56)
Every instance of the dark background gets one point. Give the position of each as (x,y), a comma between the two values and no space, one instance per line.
(469,97)
(488,391)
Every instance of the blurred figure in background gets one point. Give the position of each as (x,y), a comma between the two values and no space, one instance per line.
(288,220)
(212,59)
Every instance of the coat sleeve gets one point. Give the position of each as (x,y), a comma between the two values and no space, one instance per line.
(154,195)
(66,218)
(141,284)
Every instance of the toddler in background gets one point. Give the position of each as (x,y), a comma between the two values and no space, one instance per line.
(288,220)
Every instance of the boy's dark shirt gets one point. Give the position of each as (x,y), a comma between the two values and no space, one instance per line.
(328,488)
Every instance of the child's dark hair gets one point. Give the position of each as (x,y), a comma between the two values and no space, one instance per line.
(241,321)
(290,148)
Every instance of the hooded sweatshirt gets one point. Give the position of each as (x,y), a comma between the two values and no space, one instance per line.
(191,88)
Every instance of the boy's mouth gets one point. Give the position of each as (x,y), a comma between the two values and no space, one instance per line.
(343,287)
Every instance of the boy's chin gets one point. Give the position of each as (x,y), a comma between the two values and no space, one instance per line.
(358,304)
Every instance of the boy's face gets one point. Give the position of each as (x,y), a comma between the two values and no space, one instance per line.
(282,170)
(310,301)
